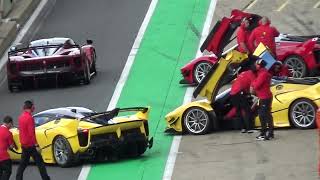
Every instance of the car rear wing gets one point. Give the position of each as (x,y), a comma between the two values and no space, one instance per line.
(289,37)
(113,113)
(14,51)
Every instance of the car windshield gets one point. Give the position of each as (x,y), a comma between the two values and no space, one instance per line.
(43,118)
(38,48)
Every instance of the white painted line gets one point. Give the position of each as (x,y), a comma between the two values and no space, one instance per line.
(283,5)
(125,73)
(132,55)
(3,80)
(23,31)
(188,97)
(252,4)
(317,5)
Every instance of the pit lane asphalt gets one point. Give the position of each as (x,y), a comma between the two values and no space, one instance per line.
(112,25)
(229,155)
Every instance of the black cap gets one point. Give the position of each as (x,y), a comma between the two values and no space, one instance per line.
(7,120)
(28,104)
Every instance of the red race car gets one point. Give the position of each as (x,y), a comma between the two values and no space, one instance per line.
(300,53)
(57,59)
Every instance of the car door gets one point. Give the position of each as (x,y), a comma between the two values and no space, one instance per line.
(222,32)
(214,80)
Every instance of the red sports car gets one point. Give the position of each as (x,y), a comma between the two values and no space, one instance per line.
(58,59)
(300,53)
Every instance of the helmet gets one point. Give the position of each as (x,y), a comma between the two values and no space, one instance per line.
(261,62)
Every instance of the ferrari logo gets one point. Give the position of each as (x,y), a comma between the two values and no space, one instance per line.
(264,33)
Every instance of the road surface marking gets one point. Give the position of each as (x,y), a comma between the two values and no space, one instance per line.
(22,33)
(125,73)
(317,5)
(252,3)
(188,97)
(283,5)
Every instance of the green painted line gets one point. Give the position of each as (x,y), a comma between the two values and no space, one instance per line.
(170,41)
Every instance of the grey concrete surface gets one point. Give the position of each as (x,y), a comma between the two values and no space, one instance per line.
(113,26)
(18,16)
(229,155)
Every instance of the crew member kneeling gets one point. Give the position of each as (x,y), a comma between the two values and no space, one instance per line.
(239,91)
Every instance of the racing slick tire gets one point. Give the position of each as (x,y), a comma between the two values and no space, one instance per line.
(200,70)
(142,147)
(296,66)
(12,88)
(196,121)
(94,63)
(87,75)
(62,152)
(302,114)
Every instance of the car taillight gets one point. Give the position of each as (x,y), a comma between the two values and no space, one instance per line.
(77,61)
(83,136)
(13,68)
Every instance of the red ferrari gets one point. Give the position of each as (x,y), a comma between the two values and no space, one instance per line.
(300,53)
(57,59)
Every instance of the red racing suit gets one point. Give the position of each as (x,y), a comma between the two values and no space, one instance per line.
(284,71)
(264,34)
(6,140)
(261,84)
(243,38)
(243,82)
(27,133)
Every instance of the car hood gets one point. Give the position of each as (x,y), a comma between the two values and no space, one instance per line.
(222,32)
(214,80)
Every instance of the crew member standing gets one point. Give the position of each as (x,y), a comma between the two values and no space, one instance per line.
(30,147)
(261,87)
(239,91)
(264,34)
(243,37)
(6,142)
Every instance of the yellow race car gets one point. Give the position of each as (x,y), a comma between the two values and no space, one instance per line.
(295,101)
(68,135)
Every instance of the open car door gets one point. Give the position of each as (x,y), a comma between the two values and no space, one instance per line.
(220,35)
(214,80)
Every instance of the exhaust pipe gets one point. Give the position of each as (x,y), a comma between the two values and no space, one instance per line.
(90,152)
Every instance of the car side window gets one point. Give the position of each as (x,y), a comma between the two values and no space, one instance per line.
(43,118)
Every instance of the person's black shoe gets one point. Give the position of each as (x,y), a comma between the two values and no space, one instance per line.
(243,131)
(250,131)
(270,136)
(260,138)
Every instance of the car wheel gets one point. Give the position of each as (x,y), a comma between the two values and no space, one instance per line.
(296,66)
(200,70)
(87,75)
(303,114)
(93,67)
(62,152)
(12,88)
(142,147)
(196,121)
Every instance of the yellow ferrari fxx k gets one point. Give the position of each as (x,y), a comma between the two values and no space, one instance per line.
(67,135)
(295,102)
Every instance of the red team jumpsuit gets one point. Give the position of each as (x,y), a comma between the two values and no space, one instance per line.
(264,34)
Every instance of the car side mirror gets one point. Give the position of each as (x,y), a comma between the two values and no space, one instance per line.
(89,41)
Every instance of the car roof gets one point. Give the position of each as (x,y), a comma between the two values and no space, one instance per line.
(50,41)
(76,112)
